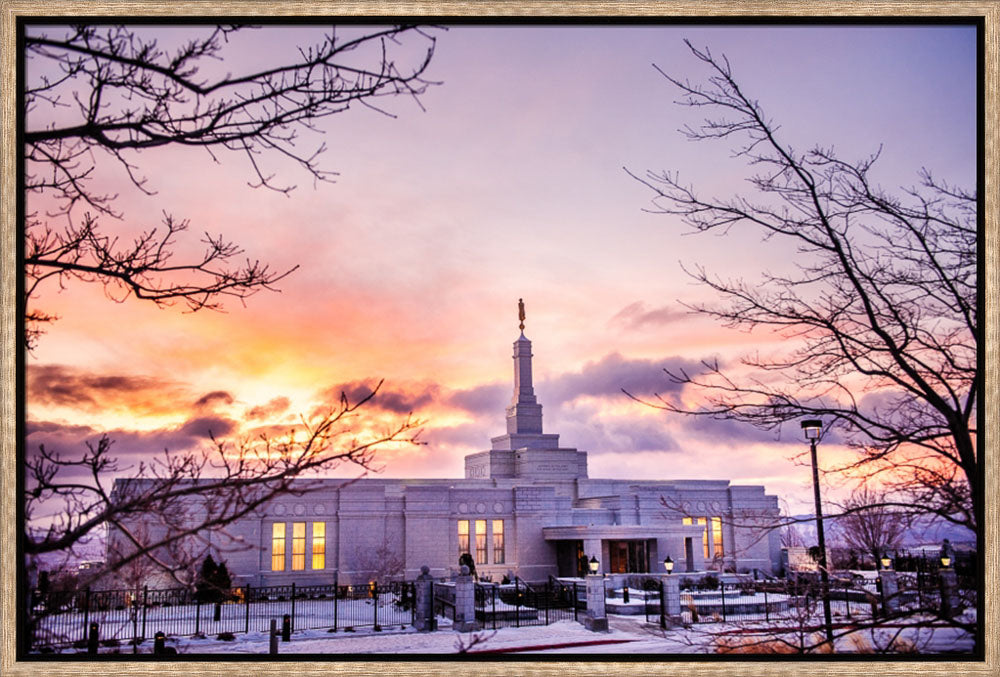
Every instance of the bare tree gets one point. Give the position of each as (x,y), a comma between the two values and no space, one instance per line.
(881,315)
(98,97)
(868,524)
(166,511)
(383,564)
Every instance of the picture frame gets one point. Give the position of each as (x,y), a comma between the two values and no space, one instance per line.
(12,664)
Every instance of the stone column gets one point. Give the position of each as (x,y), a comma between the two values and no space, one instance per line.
(948,581)
(424,601)
(465,602)
(672,596)
(890,592)
(596,618)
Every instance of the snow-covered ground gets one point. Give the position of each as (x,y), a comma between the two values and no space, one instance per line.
(627,635)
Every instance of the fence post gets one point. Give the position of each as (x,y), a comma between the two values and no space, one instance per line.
(517,603)
(286,628)
(273,646)
(493,602)
(548,600)
(92,639)
(197,615)
(293,606)
(159,643)
(847,597)
(663,606)
(576,601)
(145,605)
(375,605)
(767,609)
(722,586)
(86,613)
(246,602)
(336,601)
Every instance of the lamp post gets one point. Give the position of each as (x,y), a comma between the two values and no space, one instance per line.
(812,429)
(886,561)
(668,564)
(593,564)
(945,561)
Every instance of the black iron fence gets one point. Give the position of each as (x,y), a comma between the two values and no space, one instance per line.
(519,604)
(799,599)
(130,617)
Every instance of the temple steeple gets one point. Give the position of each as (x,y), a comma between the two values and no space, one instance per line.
(525,451)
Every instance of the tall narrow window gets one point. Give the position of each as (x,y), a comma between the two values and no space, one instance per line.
(717,536)
(498,553)
(319,545)
(278,546)
(298,546)
(481,542)
(463,537)
(704,537)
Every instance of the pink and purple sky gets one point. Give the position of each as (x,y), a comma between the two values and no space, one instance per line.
(510,184)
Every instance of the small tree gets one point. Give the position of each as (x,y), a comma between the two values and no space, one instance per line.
(869,525)
(205,588)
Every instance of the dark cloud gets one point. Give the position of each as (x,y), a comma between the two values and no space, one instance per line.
(612,373)
(213,398)
(636,316)
(275,407)
(481,400)
(388,398)
(207,426)
(59,385)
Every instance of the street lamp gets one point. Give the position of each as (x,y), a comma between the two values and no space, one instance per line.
(886,561)
(945,561)
(593,564)
(668,564)
(812,429)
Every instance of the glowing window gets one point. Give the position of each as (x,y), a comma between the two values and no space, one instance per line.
(498,552)
(481,542)
(298,546)
(463,537)
(717,536)
(687,521)
(319,545)
(278,546)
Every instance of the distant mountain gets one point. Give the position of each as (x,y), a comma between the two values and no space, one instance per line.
(926,530)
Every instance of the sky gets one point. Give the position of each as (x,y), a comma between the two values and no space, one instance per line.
(507,181)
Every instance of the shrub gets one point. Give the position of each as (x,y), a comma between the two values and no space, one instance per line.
(686,583)
(110,642)
(226,637)
(650,584)
(708,582)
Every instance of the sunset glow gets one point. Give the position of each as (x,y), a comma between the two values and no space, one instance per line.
(509,184)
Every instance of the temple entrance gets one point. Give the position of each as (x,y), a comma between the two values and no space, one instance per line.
(570,559)
(628,557)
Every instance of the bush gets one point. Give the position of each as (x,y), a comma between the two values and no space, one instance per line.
(110,642)
(650,584)
(708,582)
(686,583)
(226,637)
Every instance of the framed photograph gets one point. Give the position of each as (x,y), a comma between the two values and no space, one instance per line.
(360,336)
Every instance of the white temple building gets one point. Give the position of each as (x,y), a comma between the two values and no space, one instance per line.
(526,507)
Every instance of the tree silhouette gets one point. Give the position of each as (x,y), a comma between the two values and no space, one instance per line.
(880,319)
(100,97)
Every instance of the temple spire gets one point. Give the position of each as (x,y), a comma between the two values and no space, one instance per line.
(520,313)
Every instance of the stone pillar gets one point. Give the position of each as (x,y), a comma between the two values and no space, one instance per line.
(592,548)
(465,602)
(890,592)
(424,601)
(596,618)
(948,581)
(672,596)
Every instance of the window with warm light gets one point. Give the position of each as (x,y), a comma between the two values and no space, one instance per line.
(687,521)
(481,542)
(463,537)
(278,546)
(717,536)
(498,547)
(319,545)
(298,546)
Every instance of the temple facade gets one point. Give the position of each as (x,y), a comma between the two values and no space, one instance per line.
(525,507)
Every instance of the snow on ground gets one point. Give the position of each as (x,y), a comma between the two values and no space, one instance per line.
(627,635)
